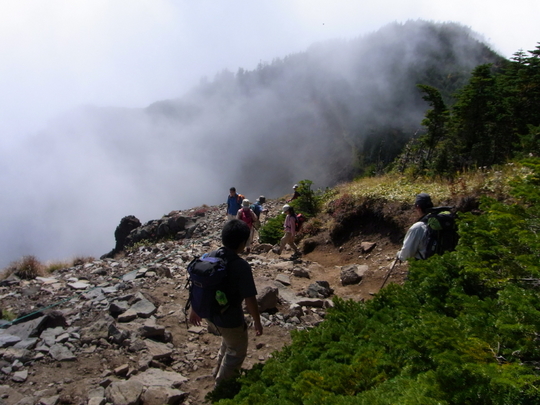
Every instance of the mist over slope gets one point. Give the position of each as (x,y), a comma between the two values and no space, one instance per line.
(320,114)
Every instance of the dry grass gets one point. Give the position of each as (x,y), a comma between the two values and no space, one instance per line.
(80,260)
(56,265)
(493,182)
(28,268)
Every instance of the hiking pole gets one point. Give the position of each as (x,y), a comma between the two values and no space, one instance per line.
(389,272)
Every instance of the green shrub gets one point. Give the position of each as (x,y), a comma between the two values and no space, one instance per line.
(272,231)
(309,202)
(462,330)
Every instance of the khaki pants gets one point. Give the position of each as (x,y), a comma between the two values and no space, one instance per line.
(287,239)
(233,351)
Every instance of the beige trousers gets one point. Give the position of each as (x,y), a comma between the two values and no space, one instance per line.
(233,351)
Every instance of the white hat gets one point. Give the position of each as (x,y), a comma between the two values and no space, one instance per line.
(286,208)
(245,203)
(295,186)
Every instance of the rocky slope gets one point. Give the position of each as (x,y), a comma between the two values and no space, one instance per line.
(113,330)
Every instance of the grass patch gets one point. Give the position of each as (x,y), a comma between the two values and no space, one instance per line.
(28,268)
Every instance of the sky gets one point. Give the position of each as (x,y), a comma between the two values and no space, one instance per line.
(56,56)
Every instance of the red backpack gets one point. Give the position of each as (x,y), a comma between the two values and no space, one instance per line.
(300,219)
(246,217)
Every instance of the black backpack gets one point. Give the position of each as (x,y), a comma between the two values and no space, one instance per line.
(442,235)
(207,276)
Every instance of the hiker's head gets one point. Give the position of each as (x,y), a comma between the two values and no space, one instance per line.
(262,200)
(235,234)
(232,191)
(287,209)
(423,202)
(295,186)
(245,203)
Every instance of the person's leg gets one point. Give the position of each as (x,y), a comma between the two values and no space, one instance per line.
(234,343)
(250,239)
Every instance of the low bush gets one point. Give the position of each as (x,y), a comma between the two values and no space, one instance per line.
(272,231)
(462,330)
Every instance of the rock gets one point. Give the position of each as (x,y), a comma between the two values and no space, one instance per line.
(161,396)
(313,302)
(96,396)
(367,247)
(151,330)
(78,285)
(283,279)
(20,376)
(124,392)
(8,340)
(118,307)
(30,328)
(158,351)
(61,353)
(143,308)
(301,272)
(121,370)
(154,377)
(268,298)
(53,400)
(350,275)
(127,316)
(29,344)
(319,289)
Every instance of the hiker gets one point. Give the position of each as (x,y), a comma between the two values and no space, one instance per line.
(295,195)
(414,244)
(234,203)
(290,231)
(258,207)
(246,215)
(239,286)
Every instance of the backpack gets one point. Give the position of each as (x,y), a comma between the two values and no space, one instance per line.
(256,208)
(300,219)
(441,233)
(240,198)
(246,217)
(206,279)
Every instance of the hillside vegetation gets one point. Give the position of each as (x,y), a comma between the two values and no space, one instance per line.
(465,326)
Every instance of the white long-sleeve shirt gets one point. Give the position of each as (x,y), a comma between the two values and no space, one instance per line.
(414,244)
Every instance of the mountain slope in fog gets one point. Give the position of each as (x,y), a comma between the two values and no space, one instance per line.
(324,114)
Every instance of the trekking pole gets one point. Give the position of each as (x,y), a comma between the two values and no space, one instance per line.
(389,272)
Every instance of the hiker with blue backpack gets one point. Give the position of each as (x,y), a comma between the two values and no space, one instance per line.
(220,282)
(234,203)
(434,233)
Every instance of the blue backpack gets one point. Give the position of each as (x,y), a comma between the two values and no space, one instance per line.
(257,209)
(206,280)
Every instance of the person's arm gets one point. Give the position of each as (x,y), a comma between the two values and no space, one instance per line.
(411,243)
(253,309)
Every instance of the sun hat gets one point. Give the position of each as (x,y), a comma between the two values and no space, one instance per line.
(245,203)
(286,208)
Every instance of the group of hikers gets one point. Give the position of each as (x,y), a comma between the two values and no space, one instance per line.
(239,207)
(237,234)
